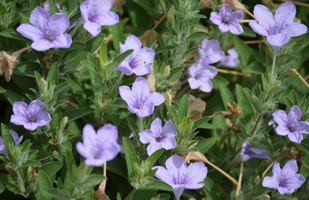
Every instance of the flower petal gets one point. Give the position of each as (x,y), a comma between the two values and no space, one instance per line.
(155,98)
(258,28)
(279,39)
(294,182)
(236,28)
(20,108)
(132,42)
(127,95)
(302,127)
(169,129)
(290,169)
(43,118)
(163,175)
(280,117)
(30,32)
(264,16)
(152,147)
(270,182)
(58,24)
(196,173)
(156,127)
(194,84)
(295,29)
(294,115)
(39,18)
(283,130)
(206,86)
(107,134)
(141,89)
(146,136)
(295,137)
(178,190)
(30,126)
(177,166)
(285,14)
(237,16)
(168,143)
(89,136)
(109,18)
(42,44)
(83,150)
(92,27)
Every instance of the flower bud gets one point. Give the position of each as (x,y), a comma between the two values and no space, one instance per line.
(168,98)
(42,83)
(63,122)
(263,197)
(257,180)
(167,70)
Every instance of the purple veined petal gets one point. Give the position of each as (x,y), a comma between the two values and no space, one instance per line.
(30,32)
(223,27)
(283,130)
(132,42)
(294,115)
(214,45)
(169,129)
(237,15)
(145,110)
(62,41)
(42,118)
(302,127)
(195,186)
(258,28)
(39,18)
(14,135)
(35,107)
(89,136)
(278,39)
(109,153)
(99,6)
(83,150)
(260,153)
(236,28)
(85,10)
(276,171)
(92,27)
(264,16)
(177,166)
(233,53)
(152,147)
(280,117)
(283,190)
(109,18)
(290,169)
(163,175)
(285,14)
(146,136)
(206,86)
(94,162)
(178,190)
(58,24)
(156,127)
(196,173)
(294,182)
(295,29)
(141,89)
(108,133)
(30,126)
(127,95)
(295,137)
(193,69)
(245,157)
(42,44)
(18,120)
(194,84)
(270,182)
(168,143)
(215,18)
(225,9)
(20,108)
(211,71)
(155,98)
(125,68)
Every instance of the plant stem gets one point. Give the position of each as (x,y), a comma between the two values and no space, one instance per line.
(224,71)
(274,62)
(140,124)
(239,180)
(301,78)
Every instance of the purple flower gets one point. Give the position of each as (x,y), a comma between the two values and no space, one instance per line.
(139,99)
(46,32)
(279,28)
(285,180)
(228,21)
(210,51)
(96,13)
(247,152)
(139,61)
(200,75)
(231,60)
(159,137)
(179,176)
(99,147)
(290,125)
(30,117)
(16,138)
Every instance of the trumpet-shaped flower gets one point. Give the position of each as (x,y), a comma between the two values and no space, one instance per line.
(16,138)
(228,20)
(279,28)
(231,60)
(290,125)
(200,75)
(159,137)
(210,51)
(247,152)
(181,177)
(96,13)
(139,99)
(99,147)
(285,180)
(46,32)
(139,61)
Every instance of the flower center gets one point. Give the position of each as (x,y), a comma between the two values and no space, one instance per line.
(159,138)
(49,36)
(291,127)
(95,152)
(31,118)
(225,20)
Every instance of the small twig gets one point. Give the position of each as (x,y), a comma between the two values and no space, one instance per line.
(223,71)
(246,20)
(301,78)
(239,180)
(45,158)
(306,77)
(267,169)
(304,164)
(224,113)
(161,19)
(235,154)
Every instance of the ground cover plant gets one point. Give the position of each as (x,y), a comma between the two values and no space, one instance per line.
(156,99)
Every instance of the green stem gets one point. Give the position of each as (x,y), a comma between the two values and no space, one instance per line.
(274,62)
(22,177)
(140,124)
(75,29)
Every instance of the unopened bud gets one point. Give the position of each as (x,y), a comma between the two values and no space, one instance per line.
(171,16)
(257,180)
(43,83)
(168,98)
(263,197)
(63,122)
(167,70)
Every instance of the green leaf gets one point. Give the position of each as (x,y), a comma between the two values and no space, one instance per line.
(120,58)
(103,53)
(117,36)
(180,150)
(131,156)
(303,146)
(165,48)
(27,68)
(2,11)
(2,90)
(183,107)
(175,73)
(33,4)
(244,103)
(226,95)
(1,189)
(245,53)
(248,32)
(204,145)
(12,33)
(53,74)
(51,168)
(77,113)
(53,7)
(142,195)
(132,124)
(32,163)
(154,157)
(92,180)
(157,185)
(198,123)
(8,141)
(44,184)
(211,190)
(198,35)
(118,166)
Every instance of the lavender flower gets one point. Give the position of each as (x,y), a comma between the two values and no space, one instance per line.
(210,51)
(285,180)
(46,32)
(139,61)
(200,75)
(99,147)
(228,21)
(231,60)
(139,99)
(247,152)
(16,138)
(179,176)
(30,117)
(95,13)
(290,125)
(279,28)
(159,137)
